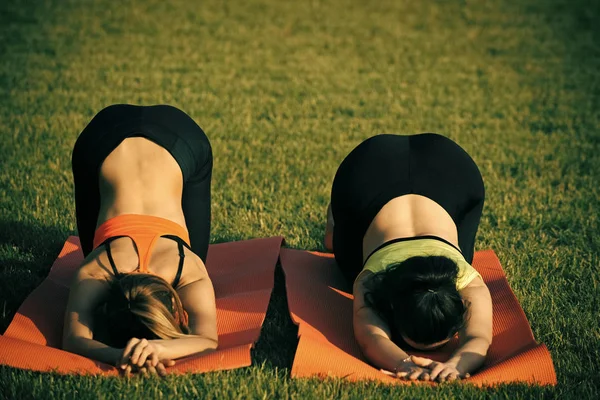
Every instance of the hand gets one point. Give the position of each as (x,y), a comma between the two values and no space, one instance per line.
(149,369)
(138,351)
(438,370)
(144,356)
(409,370)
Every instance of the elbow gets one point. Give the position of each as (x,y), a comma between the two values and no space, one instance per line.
(365,347)
(481,343)
(207,343)
(69,343)
(485,347)
(486,340)
(213,343)
(369,346)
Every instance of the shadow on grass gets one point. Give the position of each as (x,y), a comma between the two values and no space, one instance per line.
(278,340)
(27,252)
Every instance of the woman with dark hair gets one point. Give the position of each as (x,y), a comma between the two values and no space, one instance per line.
(142,296)
(402,222)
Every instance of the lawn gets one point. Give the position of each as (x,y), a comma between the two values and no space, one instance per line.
(284,90)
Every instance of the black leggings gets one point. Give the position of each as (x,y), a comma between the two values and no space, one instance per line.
(168,127)
(384,167)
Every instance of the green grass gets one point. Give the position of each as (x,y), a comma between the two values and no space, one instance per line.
(284,91)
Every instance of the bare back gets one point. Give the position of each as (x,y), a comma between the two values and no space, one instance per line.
(409,216)
(141,177)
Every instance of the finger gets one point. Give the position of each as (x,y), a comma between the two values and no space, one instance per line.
(437,368)
(144,356)
(143,371)
(444,374)
(151,370)
(453,376)
(128,370)
(135,355)
(402,374)
(168,363)
(154,359)
(466,376)
(422,361)
(415,374)
(161,370)
(386,372)
(425,376)
(127,350)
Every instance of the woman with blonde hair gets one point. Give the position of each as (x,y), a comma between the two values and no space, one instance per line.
(142,296)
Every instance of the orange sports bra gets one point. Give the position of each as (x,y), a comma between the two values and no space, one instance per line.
(144,230)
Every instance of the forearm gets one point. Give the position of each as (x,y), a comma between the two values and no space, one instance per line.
(382,352)
(92,349)
(470,356)
(177,348)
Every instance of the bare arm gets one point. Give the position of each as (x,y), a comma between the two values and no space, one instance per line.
(85,294)
(374,339)
(198,299)
(476,336)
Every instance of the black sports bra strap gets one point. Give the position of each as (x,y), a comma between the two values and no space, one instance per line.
(180,268)
(180,244)
(178,240)
(111,261)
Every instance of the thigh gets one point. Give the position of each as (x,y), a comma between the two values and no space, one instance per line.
(179,134)
(87,203)
(347,249)
(193,153)
(467,229)
(372,174)
(93,145)
(445,173)
(197,209)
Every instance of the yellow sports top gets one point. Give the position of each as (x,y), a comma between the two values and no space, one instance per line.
(400,251)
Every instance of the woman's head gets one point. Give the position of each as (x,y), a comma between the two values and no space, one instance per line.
(419,299)
(143,306)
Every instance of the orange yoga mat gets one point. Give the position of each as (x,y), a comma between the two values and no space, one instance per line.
(320,302)
(242,275)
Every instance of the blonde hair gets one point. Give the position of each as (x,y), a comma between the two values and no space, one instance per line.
(143,306)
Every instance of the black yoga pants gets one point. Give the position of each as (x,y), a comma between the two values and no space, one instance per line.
(168,127)
(384,167)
